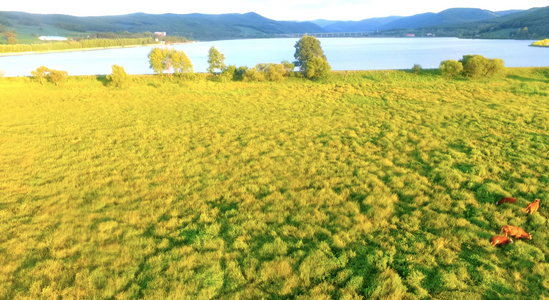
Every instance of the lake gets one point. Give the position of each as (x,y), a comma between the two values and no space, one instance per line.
(342,53)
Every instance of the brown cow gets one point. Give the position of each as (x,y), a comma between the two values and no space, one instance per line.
(501,240)
(515,232)
(506,200)
(532,207)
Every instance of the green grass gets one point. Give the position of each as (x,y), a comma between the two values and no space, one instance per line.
(368,184)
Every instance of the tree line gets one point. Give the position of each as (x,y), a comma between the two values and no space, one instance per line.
(309,56)
(81,44)
(310,59)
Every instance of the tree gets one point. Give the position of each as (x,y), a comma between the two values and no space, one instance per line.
(216,60)
(450,68)
(495,68)
(11,36)
(119,77)
(310,58)
(161,60)
(157,60)
(181,62)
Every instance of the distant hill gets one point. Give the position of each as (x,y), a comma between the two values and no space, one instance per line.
(443,18)
(527,24)
(323,23)
(192,26)
(458,22)
(535,20)
(372,24)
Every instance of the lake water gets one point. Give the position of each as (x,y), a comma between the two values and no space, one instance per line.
(342,53)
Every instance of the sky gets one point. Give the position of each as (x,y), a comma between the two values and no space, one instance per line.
(295,10)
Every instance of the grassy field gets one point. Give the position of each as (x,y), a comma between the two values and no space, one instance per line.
(378,185)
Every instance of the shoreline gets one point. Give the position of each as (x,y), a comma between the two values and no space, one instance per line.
(85,49)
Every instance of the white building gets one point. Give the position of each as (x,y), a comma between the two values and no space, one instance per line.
(52,38)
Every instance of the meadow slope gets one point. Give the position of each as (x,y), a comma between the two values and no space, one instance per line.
(369,184)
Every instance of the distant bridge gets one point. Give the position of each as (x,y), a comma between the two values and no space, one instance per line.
(326,34)
(319,34)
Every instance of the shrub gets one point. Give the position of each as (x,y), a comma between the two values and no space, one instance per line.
(56,76)
(119,77)
(450,68)
(478,66)
(227,74)
(53,76)
(239,73)
(40,74)
(289,67)
(416,69)
(272,72)
(317,67)
(253,74)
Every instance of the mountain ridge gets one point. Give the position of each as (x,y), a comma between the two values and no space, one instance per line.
(459,22)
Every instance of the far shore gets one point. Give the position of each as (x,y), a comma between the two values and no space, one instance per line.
(85,49)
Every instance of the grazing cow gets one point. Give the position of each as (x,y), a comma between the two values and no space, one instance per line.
(501,240)
(506,200)
(515,232)
(532,207)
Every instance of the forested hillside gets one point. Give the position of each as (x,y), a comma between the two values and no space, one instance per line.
(458,22)
(191,26)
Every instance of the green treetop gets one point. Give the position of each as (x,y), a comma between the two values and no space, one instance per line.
(216,60)
(310,58)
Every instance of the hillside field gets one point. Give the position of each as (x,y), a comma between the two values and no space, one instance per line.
(367,185)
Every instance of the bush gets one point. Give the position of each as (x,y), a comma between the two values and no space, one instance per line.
(119,77)
(478,66)
(450,68)
(56,76)
(239,73)
(228,74)
(40,74)
(272,72)
(317,67)
(416,69)
(289,67)
(53,76)
(253,74)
